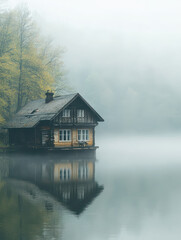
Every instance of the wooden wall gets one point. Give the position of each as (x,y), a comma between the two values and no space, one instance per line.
(74,138)
(75,169)
(89,116)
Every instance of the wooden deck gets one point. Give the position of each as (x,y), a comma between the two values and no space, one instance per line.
(57,148)
(12,149)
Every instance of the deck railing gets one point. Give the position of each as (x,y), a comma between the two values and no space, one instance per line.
(76,120)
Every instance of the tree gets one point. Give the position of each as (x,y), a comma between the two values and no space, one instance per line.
(7,68)
(29,64)
(33,77)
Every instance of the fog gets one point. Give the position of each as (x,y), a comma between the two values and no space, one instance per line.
(140,183)
(122,56)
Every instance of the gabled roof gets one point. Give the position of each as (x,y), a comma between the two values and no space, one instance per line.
(75,203)
(35,111)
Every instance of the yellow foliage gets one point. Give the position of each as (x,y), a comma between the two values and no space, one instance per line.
(28,65)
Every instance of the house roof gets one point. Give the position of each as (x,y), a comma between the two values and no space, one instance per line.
(74,203)
(35,111)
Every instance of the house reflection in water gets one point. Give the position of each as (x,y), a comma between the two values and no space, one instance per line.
(70,181)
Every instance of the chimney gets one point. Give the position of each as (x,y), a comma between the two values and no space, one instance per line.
(49,96)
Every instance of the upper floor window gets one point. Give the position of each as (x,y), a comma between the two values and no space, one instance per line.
(83,172)
(80,113)
(66,113)
(65,135)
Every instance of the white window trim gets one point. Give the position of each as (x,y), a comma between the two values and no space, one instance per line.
(80,113)
(65,174)
(66,135)
(83,172)
(80,140)
(66,113)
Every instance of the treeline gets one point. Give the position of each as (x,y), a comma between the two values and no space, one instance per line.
(29,63)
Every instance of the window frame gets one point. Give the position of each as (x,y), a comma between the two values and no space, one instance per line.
(80,113)
(66,113)
(66,135)
(83,135)
(65,174)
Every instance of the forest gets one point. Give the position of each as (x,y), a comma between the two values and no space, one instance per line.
(29,62)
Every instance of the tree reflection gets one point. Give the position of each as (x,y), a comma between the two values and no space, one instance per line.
(19,218)
(34,190)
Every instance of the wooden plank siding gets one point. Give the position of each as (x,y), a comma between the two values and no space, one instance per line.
(38,124)
(88,118)
(74,168)
(74,138)
(74,123)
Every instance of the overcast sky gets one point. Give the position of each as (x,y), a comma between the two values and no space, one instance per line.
(123,56)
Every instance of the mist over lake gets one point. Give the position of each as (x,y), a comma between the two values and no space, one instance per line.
(136,193)
(123,57)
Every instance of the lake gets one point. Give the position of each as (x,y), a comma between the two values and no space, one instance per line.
(130,190)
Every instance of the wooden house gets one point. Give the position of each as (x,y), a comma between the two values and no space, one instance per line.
(64,122)
(71,181)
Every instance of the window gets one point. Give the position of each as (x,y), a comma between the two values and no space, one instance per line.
(83,172)
(65,174)
(80,193)
(34,111)
(80,113)
(66,113)
(65,135)
(83,135)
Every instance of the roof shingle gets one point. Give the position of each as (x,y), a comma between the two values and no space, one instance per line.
(35,111)
(38,110)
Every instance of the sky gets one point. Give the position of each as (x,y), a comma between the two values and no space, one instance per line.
(122,56)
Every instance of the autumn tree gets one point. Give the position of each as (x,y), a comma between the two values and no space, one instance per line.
(29,64)
(36,64)
(7,67)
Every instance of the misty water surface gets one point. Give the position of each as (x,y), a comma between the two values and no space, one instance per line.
(134,192)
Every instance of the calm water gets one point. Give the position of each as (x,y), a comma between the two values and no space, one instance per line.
(132,190)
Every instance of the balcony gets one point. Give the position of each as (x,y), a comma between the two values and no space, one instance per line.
(75,121)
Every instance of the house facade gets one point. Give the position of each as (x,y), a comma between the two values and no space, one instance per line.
(62,122)
(70,181)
